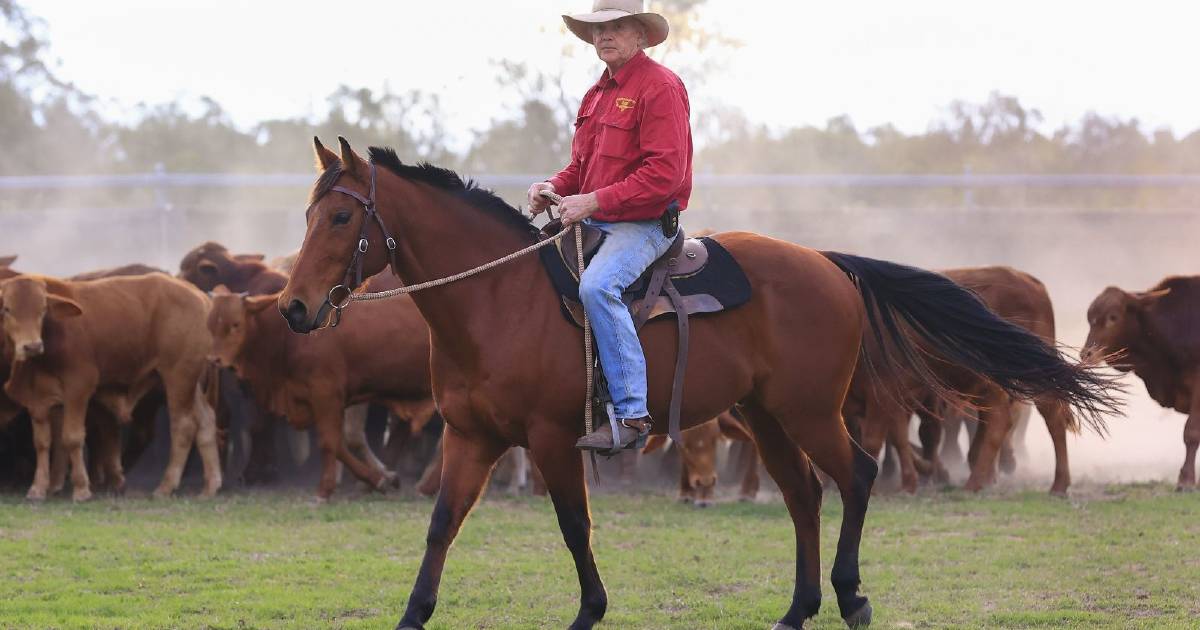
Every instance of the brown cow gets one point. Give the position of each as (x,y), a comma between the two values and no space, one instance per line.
(106,459)
(110,340)
(210,264)
(1156,335)
(698,459)
(885,411)
(380,353)
(207,266)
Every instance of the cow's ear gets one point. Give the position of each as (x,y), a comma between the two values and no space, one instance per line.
(7,261)
(733,429)
(208,268)
(326,159)
(1150,297)
(654,443)
(62,308)
(259,303)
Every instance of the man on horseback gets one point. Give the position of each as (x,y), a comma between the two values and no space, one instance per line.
(630,173)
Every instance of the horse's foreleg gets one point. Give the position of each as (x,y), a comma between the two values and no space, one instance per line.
(554,454)
(467,464)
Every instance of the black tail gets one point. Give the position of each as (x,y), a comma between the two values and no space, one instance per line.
(916,313)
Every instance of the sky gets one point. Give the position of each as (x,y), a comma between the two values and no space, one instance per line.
(800,62)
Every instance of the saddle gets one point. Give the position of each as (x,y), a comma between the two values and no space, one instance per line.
(694,276)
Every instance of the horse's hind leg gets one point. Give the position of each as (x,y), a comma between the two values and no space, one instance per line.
(824,438)
(468,462)
(553,452)
(793,472)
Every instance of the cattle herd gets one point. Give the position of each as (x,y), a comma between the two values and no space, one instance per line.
(89,362)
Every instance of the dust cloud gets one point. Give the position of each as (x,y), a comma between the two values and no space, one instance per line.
(1076,252)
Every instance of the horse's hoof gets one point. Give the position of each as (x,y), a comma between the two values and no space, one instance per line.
(1185,487)
(685,499)
(81,495)
(703,503)
(860,618)
(162,493)
(783,626)
(37,496)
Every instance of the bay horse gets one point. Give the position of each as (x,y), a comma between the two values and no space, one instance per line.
(508,369)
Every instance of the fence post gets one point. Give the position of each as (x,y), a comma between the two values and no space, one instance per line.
(163,204)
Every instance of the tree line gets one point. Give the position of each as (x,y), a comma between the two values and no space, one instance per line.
(48,126)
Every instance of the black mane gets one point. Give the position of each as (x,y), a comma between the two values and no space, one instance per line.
(449,181)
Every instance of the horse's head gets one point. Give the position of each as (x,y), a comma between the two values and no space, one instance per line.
(342,245)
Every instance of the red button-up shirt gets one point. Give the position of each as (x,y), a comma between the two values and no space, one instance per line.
(633,143)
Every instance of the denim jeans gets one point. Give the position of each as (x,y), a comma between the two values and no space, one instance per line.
(628,250)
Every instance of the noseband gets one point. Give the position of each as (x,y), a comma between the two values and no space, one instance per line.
(354,272)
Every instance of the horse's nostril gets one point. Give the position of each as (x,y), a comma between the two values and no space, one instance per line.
(297,315)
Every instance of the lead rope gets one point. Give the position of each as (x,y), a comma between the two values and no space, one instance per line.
(588,354)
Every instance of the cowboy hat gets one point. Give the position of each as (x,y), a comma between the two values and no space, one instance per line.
(609,10)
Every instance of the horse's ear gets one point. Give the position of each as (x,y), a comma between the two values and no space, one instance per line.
(326,159)
(350,159)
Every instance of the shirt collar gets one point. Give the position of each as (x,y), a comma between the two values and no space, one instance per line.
(625,71)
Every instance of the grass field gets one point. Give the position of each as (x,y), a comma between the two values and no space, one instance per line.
(1119,557)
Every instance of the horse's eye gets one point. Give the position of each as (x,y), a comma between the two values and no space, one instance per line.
(341,218)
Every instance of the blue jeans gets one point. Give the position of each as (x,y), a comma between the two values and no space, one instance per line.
(628,250)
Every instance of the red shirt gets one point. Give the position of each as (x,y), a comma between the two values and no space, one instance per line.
(633,143)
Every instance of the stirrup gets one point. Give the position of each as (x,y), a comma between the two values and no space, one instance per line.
(615,425)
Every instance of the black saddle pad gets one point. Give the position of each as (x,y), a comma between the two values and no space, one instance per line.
(721,278)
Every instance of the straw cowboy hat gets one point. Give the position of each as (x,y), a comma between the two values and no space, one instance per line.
(609,10)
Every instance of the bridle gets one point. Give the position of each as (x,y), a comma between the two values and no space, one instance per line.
(354,271)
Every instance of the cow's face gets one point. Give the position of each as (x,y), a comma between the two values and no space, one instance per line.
(25,303)
(1114,321)
(230,322)
(699,455)
(202,266)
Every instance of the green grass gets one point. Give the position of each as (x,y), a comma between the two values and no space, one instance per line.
(1122,557)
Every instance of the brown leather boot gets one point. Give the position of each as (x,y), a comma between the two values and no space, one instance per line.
(602,438)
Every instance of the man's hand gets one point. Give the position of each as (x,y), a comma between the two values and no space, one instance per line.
(538,203)
(576,208)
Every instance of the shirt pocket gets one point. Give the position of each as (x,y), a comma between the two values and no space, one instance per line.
(618,136)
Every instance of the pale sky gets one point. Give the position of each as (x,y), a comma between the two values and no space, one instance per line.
(802,63)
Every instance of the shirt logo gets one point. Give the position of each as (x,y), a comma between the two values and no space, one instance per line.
(625,103)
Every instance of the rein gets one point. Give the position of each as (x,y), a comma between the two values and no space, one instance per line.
(356,266)
(344,291)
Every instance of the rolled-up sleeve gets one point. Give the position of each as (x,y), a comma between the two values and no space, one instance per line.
(566,182)
(664,139)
